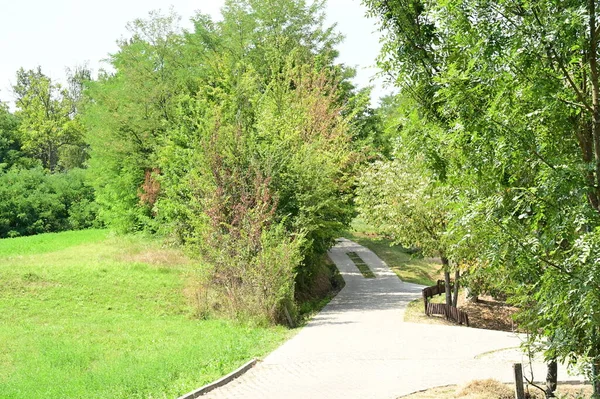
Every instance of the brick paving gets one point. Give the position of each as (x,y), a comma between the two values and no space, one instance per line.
(359,347)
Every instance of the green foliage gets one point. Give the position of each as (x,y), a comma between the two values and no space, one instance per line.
(235,138)
(33,201)
(129,115)
(507,99)
(10,146)
(402,200)
(87,314)
(49,129)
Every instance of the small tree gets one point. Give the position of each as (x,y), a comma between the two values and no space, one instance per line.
(402,199)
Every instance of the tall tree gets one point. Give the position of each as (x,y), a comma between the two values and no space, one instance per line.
(130,114)
(402,199)
(49,128)
(10,146)
(233,138)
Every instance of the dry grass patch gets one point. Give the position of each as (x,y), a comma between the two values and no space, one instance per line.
(492,389)
(163,257)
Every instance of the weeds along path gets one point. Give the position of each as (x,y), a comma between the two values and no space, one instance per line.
(359,347)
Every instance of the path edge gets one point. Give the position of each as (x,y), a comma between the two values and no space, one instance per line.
(220,382)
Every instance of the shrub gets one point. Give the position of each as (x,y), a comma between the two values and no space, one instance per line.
(252,260)
(33,201)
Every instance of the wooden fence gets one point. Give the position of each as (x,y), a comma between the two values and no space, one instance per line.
(449,312)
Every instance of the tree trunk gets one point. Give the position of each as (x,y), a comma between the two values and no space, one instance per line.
(446,266)
(471,297)
(595,83)
(551,379)
(596,378)
(456,279)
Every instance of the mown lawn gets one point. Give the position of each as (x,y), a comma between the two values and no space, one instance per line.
(86,314)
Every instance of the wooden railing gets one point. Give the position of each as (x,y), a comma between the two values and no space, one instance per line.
(449,312)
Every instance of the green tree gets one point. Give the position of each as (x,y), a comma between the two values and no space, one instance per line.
(233,138)
(402,199)
(49,127)
(10,146)
(33,201)
(129,116)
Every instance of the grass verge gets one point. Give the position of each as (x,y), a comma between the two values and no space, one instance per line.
(313,297)
(361,265)
(85,314)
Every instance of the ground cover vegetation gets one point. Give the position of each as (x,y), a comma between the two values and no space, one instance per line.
(91,314)
(498,111)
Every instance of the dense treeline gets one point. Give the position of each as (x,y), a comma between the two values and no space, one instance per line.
(43,187)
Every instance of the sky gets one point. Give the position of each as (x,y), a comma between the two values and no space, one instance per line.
(56,34)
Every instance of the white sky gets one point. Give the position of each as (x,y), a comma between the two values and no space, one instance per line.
(56,34)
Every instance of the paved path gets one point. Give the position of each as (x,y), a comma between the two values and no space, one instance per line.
(359,347)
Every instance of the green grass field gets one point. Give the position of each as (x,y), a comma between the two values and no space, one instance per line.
(409,268)
(86,314)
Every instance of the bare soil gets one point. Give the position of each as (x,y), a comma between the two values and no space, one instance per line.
(492,389)
(487,313)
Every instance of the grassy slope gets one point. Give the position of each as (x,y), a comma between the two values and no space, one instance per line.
(409,268)
(83,314)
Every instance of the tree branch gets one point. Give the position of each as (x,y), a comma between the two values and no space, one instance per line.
(561,64)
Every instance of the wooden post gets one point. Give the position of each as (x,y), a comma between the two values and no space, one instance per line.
(289,317)
(519,390)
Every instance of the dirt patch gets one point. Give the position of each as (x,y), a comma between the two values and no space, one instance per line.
(487,313)
(492,389)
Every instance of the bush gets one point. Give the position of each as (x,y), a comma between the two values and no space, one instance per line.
(33,201)
(250,284)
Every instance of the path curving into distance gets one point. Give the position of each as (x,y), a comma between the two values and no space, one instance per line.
(359,347)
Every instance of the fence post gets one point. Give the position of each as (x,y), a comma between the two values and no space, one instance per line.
(518,371)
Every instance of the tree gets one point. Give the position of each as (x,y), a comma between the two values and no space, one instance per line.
(234,139)
(10,146)
(401,199)
(130,114)
(49,128)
